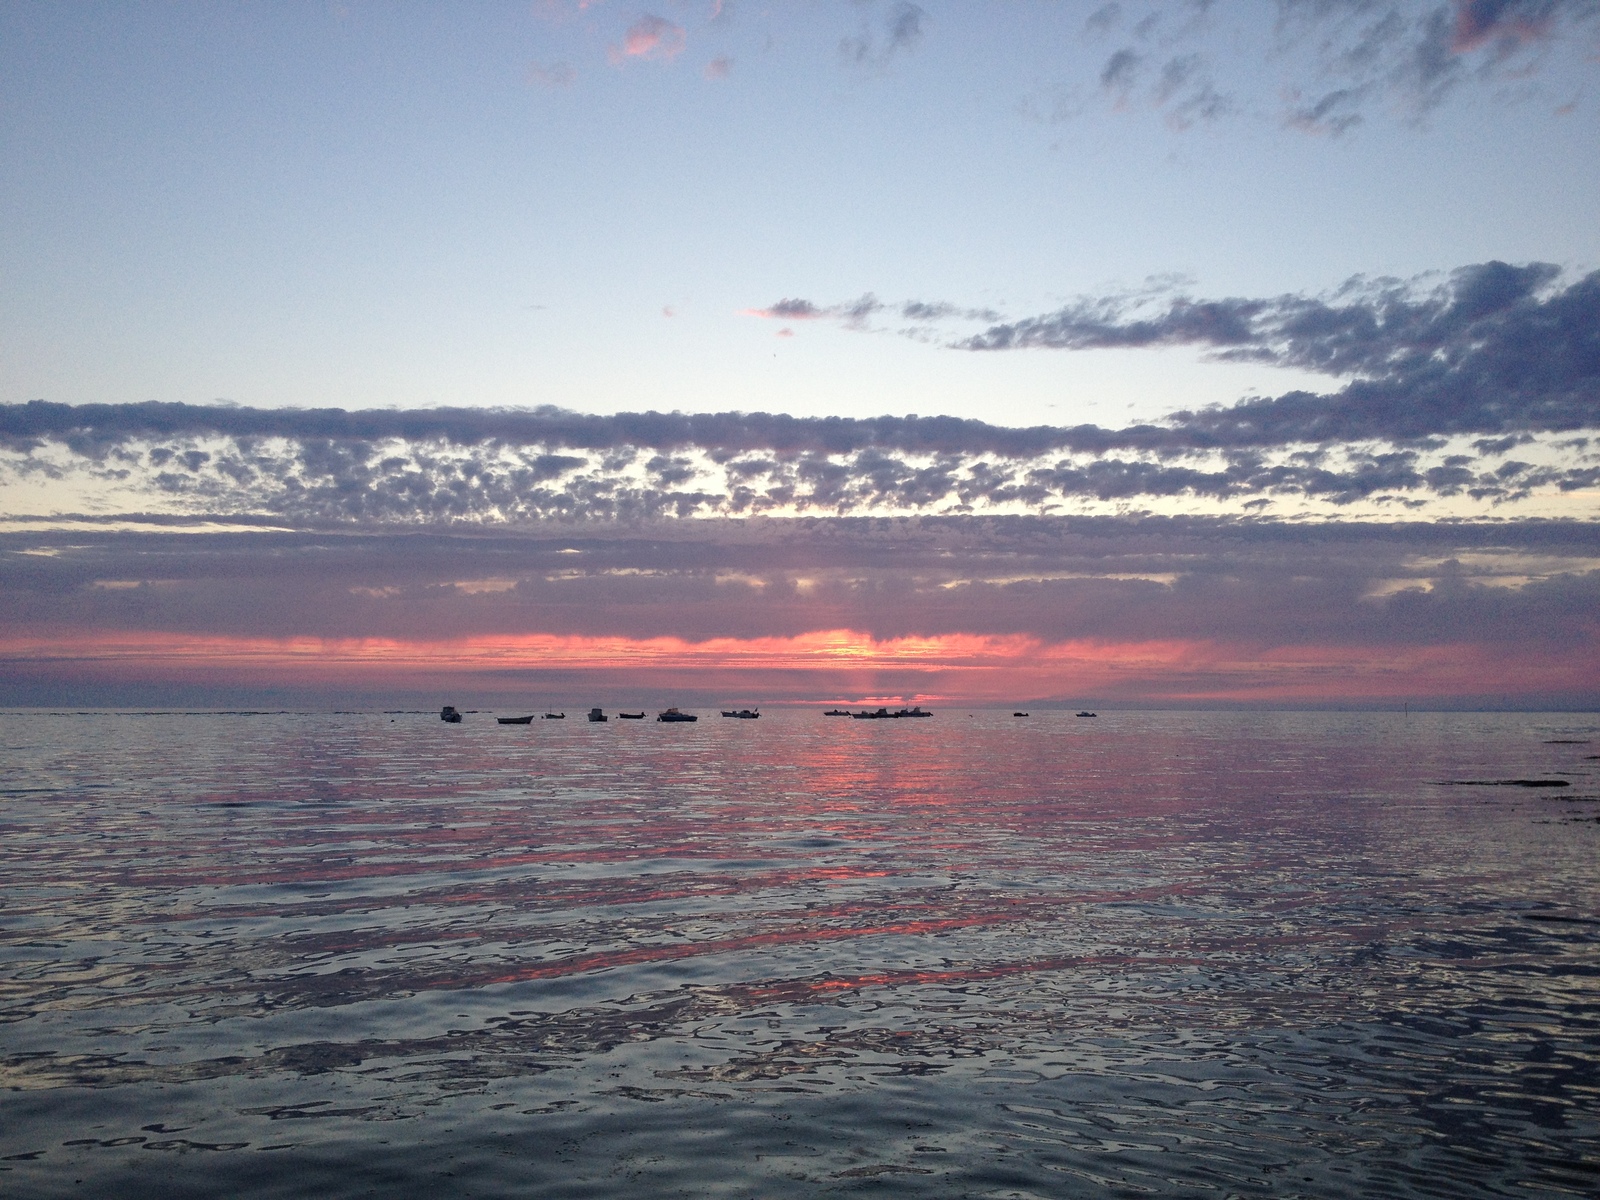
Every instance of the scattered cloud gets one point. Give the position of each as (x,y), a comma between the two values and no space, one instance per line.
(1334,61)
(719,68)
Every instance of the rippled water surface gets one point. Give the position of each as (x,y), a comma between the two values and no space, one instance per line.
(1152,954)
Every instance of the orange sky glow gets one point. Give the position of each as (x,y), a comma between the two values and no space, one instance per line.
(820,666)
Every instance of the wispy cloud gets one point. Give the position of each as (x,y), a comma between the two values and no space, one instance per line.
(901,31)
(556,75)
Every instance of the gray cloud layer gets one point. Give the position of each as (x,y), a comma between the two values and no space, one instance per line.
(1502,354)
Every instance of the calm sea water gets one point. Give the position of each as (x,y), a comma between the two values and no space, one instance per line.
(1151,954)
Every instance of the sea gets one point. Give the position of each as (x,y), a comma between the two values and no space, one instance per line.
(1143,954)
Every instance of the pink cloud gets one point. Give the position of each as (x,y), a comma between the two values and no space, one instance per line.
(649,37)
(718,68)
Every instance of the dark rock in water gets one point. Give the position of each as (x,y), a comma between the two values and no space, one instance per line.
(1526,783)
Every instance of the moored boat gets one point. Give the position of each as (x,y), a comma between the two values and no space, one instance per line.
(596,714)
(837,712)
(638,716)
(560,716)
(744,714)
(673,714)
(1087,713)
(515,720)
(448,713)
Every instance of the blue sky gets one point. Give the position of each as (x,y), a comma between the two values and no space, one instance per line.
(362,205)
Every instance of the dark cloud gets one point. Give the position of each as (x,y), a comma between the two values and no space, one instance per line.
(1496,349)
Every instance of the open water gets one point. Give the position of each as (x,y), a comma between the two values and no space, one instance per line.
(1150,954)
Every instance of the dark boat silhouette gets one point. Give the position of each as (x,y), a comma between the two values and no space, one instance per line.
(673,714)
(449,713)
(560,716)
(1087,713)
(638,716)
(515,720)
(596,714)
(912,712)
(883,714)
(837,712)
(1019,714)
(744,714)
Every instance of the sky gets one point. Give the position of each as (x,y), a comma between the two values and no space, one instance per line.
(571,351)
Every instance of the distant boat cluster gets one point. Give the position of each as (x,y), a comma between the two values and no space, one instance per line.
(452,715)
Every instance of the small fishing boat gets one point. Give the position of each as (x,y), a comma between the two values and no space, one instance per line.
(673,714)
(638,716)
(1087,713)
(883,714)
(912,712)
(837,712)
(744,714)
(515,720)
(555,716)
(1019,714)
(449,714)
(596,714)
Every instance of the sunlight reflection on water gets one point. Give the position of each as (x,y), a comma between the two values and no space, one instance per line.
(1151,954)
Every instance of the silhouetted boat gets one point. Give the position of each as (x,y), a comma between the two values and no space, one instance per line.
(912,712)
(837,712)
(883,714)
(673,714)
(744,714)
(449,713)
(515,720)
(555,716)
(596,715)
(1087,713)
(638,716)
(1019,714)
